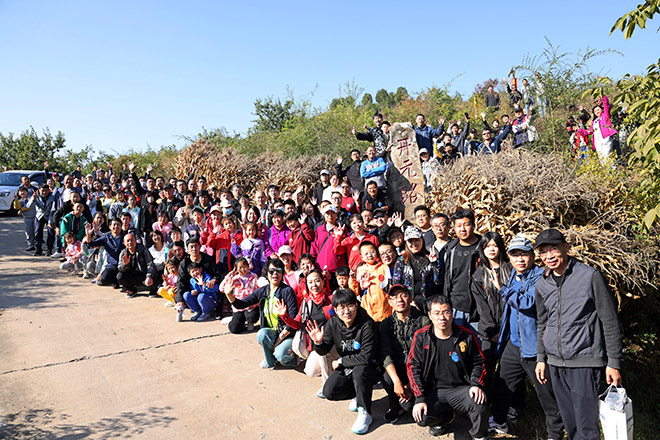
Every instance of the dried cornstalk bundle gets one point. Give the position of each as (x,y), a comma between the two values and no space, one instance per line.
(223,168)
(521,192)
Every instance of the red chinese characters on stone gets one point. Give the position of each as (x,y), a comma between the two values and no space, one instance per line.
(406,169)
(410,195)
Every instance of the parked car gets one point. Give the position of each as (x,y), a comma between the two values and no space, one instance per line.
(9,183)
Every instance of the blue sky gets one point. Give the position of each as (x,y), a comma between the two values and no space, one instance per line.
(131,74)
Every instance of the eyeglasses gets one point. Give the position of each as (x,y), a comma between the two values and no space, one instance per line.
(346,308)
(275,270)
(445,313)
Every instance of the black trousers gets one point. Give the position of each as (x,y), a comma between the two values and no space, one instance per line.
(577,395)
(130,280)
(238,319)
(392,397)
(358,382)
(108,276)
(510,379)
(440,401)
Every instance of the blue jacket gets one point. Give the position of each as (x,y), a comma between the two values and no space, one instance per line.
(425,136)
(519,320)
(206,278)
(494,146)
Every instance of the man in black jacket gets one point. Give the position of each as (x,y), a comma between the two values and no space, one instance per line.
(375,135)
(396,334)
(354,334)
(462,255)
(133,265)
(578,334)
(207,263)
(352,171)
(446,370)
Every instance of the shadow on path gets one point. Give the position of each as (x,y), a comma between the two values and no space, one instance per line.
(46,424)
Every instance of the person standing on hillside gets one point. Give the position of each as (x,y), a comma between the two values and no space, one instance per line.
(374,134)
(425,133)
(578,334)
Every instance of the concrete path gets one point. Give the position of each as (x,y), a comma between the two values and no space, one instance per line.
(78,361)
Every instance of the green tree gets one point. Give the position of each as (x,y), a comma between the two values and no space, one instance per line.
(400,95)
(640,95)
(367,99)
(273,115)
(29,150)
(383,98)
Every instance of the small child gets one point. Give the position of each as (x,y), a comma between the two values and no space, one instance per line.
(198,224)
(201,299)
(72,254)
(252,248)
(241,283)
(342,275)
(170,277)
(371,281)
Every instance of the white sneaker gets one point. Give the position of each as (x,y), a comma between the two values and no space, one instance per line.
(57,255)
(362,422)
(226,320)
(497,427)
(352,406)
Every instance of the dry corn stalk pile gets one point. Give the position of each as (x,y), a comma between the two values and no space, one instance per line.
(226,167)
(521,192)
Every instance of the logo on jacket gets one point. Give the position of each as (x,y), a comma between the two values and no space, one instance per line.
(454,356)
(462,346)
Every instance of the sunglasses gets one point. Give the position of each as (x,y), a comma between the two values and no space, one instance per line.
(276,270)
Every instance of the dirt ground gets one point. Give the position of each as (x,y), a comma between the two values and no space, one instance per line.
(78,361)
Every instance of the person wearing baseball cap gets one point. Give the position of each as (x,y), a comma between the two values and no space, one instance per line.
(517,341)
(578,334)
(396,335)
(415,270)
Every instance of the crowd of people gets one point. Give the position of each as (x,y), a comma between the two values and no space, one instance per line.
(340,281)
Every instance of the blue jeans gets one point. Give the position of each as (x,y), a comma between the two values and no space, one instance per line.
(204,302)
(283,353)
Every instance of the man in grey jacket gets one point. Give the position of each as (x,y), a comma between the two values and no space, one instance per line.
(578,334)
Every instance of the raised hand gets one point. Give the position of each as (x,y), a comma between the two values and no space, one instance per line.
(313,201)
(339,160)
(356,195)
(279,307)
(315,333)
(131,166)
(353,131)
(303,218)
(441,121)
(149,168)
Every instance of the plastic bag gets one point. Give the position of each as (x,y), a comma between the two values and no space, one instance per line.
(616,414)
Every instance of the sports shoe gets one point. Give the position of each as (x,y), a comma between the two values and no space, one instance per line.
(437,431)
(500,428)
(195,316)
(226,320)
(362,422)
(203,317)
(57,255)
(265,366)
(30,249)
(352,406)
(250,328)
(320,394)
(392,415)
(131,293)
(37,253)
(168,304)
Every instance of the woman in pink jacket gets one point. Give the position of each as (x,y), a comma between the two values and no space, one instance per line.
(602,129)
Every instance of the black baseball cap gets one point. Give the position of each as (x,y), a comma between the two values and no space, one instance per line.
(398,288)
(549,236)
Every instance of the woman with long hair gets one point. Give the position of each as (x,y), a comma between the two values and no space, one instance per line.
(493,260)
(601,128)
(418,271)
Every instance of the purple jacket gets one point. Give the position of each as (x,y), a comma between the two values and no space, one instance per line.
(275,239)
(606,127)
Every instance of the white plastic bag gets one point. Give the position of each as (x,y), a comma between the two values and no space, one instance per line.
(616,414)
